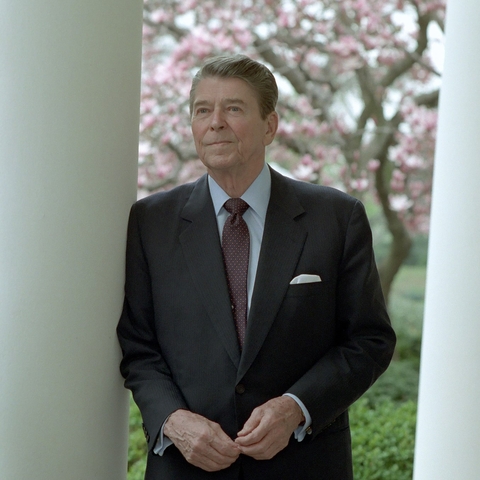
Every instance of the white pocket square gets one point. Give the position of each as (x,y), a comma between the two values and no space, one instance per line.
(305,278)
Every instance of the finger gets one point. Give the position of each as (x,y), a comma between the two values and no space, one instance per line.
(202,442)
(263,450)
(265,441)
(252,437)
(224,445)
(206,456)
(256,428)
(212,461)
(267,447)
(252,423)
(208,464)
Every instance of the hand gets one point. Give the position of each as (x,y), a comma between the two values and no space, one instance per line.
(269,428)
(202,442)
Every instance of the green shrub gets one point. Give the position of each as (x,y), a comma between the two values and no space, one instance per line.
(137,450)
(383,440)
(398,384)
(419,251)
(406,311)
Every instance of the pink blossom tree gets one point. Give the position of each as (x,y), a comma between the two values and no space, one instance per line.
(358,95)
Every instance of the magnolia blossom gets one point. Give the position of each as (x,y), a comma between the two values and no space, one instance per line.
(400,203)
(359,184)
(373,165)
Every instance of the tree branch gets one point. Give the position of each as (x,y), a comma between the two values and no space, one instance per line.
(402,66)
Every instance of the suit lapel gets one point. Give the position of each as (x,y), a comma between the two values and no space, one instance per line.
(282,244)
(202,250)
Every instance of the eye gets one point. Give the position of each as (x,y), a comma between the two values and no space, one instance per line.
(201,111)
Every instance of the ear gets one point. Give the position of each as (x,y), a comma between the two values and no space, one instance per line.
(271,128)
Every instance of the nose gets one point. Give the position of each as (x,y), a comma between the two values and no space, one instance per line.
(218,120)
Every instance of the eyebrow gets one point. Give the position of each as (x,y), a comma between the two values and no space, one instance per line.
(201,103)
(234,100)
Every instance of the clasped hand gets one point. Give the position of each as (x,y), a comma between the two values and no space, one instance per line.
(204,444)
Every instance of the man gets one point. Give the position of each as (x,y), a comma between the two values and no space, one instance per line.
(246,334)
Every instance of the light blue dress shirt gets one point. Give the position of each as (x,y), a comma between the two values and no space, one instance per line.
(257,196)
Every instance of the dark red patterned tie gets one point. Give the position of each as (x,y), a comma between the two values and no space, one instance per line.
(236,248)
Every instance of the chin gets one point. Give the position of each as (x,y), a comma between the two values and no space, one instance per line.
(220,163)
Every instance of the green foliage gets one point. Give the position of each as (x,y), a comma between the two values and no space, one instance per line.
(398,384)
(418,252)
(383,440)
(383,420)
(138,447)
(406,310)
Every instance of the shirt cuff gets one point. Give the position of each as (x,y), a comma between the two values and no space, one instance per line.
(162,442)
(301,431)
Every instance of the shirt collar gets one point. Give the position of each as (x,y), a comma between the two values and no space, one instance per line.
(257,194)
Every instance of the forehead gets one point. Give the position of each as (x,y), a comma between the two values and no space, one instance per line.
(215,89)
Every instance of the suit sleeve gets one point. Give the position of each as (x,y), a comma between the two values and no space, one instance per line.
(145,371)
(364,337)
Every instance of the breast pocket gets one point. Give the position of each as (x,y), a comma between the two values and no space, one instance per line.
(307,314)
(306,289)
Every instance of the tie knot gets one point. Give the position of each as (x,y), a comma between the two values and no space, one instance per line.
(236,205)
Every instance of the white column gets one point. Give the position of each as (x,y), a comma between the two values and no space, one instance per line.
(448,430)
(69,102)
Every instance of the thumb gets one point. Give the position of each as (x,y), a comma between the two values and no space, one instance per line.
(249,426)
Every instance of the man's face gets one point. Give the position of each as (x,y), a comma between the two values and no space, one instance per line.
(229,132)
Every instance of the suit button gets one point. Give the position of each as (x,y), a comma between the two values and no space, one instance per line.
(240,388)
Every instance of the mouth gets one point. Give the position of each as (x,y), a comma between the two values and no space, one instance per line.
(219,143)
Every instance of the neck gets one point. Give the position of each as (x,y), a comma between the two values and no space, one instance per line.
(235,184)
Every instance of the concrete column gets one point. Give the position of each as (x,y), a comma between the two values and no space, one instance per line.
(448,431)
(69,103)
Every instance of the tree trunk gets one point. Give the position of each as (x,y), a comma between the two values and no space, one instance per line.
(401,241)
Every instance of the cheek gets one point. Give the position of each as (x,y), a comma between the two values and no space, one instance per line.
(244,136)
(197,141)
(198,128)
(197,137)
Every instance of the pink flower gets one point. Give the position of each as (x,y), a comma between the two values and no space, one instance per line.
(359,184)
(373,165)
(160,16)
(400,203)
(304,172)
(345,46)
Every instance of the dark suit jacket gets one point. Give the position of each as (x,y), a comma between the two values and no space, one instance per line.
(324,342)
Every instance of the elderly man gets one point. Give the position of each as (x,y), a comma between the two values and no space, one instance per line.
(253,314)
